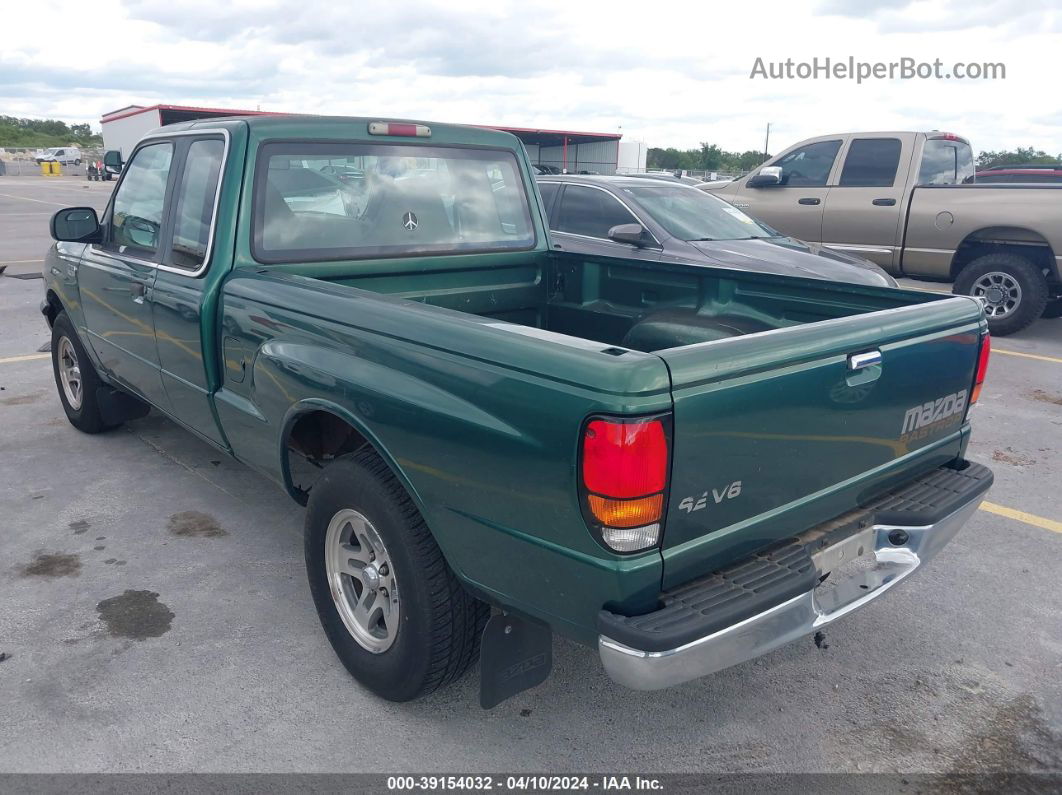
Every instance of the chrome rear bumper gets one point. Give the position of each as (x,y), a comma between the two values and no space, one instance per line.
(888,564)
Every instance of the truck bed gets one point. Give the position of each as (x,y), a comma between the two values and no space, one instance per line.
(630,304)
(773,430)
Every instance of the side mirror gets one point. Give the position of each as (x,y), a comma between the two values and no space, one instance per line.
(76,225)
(112,161)
(766,177)
(633,234)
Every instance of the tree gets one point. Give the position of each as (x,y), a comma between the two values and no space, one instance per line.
(709,157)
(1023,154)
(18,132)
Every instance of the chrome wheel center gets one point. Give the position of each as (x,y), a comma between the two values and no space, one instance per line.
(362,580)
(370,575)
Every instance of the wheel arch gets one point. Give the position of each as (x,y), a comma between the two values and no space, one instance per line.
(53,305)
(1017,240)
(304,430)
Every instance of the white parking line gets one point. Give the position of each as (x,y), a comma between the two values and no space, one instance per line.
(28,199)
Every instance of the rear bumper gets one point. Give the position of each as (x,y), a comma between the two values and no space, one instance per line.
(758,595)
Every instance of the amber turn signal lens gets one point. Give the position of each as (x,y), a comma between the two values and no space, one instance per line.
(626,513)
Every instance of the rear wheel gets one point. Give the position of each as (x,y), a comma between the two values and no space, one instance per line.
(75,378)
(1013,289)
(392,609)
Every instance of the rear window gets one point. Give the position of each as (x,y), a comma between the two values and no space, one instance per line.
(946,162)
(329,201)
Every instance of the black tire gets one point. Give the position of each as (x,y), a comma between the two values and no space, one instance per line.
(437,636)
(1029,278)
(1053,309)
(77,162)
(87,416)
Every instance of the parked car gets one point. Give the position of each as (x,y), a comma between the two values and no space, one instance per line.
(607,447)
(1026,172)
(898,198)
(678,223)
(66,155)
(539,168)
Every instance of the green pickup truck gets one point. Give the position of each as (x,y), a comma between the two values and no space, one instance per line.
(683,466)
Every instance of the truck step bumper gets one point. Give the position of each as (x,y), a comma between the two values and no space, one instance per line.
(793,589)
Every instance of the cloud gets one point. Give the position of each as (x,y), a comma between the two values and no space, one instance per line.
(670,73)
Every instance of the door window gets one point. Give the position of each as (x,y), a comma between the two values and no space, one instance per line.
(195,203)
(809,166)
(136,216)
(590,212)
(871,163)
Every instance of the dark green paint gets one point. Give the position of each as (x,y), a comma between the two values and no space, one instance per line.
(446,365)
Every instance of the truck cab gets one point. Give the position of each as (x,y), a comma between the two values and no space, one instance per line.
(909,201)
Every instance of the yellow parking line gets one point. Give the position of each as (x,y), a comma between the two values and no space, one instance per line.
(29,357)
(1022,516)
(1037,356)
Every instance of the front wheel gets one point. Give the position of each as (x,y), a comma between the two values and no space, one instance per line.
(77,162)
(76,378)
(392,609)
(1013,290)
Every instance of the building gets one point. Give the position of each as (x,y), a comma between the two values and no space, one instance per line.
(567,150)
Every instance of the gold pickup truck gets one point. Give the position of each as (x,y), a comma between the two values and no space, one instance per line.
(908,201)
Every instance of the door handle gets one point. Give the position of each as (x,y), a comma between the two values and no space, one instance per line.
(808,201)
(884,202)
(137,290)
(857,361)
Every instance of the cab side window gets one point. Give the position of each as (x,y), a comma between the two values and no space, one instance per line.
(871,163)
(809,166)
(590,212)
(195,203)
(137,212)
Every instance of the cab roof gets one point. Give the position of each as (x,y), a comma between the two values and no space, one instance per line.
(354,128)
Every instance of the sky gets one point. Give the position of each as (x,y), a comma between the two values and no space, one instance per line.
(664,72)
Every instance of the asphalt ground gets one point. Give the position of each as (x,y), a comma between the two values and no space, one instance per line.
(156,618)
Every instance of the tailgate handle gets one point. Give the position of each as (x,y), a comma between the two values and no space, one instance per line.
(857,361)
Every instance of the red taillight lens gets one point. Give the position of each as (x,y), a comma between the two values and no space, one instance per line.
(625,459)
(982,367)
(624,477)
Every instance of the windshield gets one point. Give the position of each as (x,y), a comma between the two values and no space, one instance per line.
(691,214)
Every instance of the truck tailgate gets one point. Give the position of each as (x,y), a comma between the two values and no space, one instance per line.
(777,431)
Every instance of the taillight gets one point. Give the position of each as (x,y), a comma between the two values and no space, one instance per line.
(982,367)
(624,477)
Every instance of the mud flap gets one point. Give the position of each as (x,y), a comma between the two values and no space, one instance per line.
(116,406)
(516,654)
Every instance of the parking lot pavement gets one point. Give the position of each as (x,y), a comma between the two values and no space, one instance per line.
(26,203)
(156,617)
